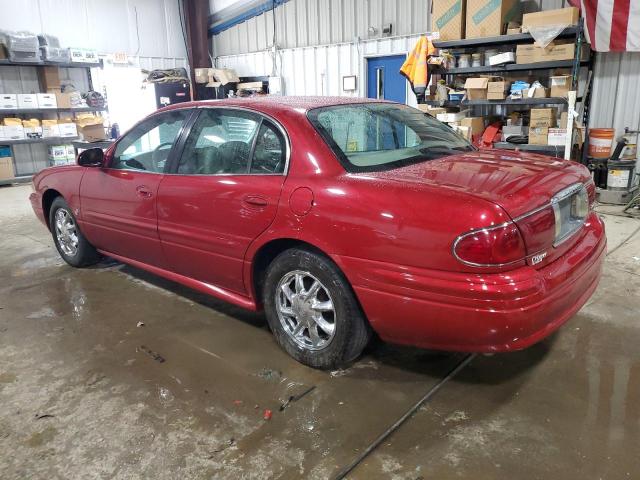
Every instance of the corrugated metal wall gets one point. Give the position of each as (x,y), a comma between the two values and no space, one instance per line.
(148,28)
(301,23)
(324,31)
(615,100)
(319,70)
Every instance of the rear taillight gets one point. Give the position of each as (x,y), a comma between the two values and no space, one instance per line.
(491,246)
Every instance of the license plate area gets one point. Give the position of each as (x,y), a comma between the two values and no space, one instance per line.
(570,208)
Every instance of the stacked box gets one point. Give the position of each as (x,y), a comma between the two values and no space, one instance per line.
(449,18)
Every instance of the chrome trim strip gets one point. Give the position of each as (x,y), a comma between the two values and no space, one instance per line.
(278,125)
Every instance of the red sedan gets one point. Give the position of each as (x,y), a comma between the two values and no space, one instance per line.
(339,217)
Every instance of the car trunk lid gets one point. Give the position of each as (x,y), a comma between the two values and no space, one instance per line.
(543,195)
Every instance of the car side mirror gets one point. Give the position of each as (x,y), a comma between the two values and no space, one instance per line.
(94,157)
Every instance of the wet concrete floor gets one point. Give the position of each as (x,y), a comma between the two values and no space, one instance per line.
(110,372)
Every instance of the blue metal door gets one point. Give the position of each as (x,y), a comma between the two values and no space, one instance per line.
(384,80)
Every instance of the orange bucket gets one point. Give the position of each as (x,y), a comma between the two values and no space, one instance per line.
(600,141)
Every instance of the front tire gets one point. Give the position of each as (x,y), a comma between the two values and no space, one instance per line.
(71,244)
(312,310)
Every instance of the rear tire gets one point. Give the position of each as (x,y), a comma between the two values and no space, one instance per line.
(71,244)
(312,310)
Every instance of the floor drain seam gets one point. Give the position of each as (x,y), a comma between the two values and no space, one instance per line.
(409,413)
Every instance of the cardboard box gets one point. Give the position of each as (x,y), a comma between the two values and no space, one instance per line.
(6,168)
(476,88)
(92,133)
(502,58)
(514,119)
(71,153)
(475,124)
(57,152)
(451,117)
(9,121)
(489,18)
(202,74)
(225,75)
(560,85)
(449,18)
(68,129)
(27,100)
(539,92)
(497,89)
(8,101)
(464,131)
(563,120)
(49,77)
(13,132)
(514,131)
(32,128)
(63,100)
(530,53)
(433,111)
(557,136)
(538,135)
(50,130)
(542,117)
(561,16)
(47,100)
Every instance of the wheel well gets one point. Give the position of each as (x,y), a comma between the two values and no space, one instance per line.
(271,250)
(47,199)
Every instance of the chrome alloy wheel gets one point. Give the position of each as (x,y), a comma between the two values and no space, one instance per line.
(66,232)
(305,310)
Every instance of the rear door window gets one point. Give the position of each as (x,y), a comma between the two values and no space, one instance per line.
(232,142)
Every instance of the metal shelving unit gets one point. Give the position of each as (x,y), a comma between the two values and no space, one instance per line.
(506,101)
(499,40)
(39,111)
(50,64)
(45,140)
(510,67)
(18,111)
(531,148)
(576,65)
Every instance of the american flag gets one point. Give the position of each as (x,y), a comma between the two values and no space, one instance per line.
(612,25)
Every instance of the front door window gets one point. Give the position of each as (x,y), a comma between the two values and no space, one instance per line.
(147,146)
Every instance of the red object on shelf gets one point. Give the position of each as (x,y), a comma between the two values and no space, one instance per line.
(491,135)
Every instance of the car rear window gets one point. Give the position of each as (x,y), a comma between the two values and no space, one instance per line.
(380,136)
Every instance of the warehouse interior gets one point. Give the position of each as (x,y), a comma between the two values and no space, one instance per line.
(118,370)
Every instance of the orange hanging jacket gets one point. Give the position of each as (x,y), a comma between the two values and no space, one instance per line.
(415,66)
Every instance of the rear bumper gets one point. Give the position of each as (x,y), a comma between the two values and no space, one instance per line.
(478,313)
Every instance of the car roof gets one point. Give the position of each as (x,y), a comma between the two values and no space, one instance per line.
(273,103)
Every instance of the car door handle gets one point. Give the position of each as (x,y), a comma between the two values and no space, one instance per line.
(144,191)
(255,201)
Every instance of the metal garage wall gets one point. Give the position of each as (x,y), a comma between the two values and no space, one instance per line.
(302,23)
(615,100)
(138,27)
(319,70)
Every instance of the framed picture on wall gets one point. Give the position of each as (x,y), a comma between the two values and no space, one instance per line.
(349,83)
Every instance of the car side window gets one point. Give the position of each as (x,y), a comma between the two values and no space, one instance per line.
(147,146)
(220,142)
(269,155)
